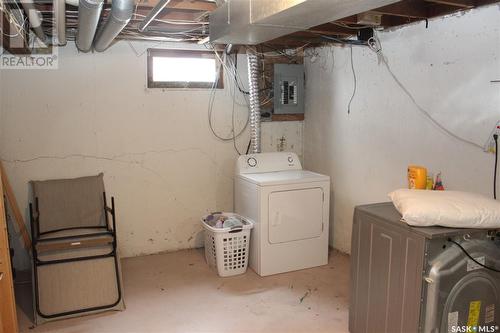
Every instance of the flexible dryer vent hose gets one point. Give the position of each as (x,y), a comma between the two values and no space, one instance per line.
(253,83)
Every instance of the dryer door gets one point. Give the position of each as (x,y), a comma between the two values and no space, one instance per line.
(461,294)
(295,215)
(473,302)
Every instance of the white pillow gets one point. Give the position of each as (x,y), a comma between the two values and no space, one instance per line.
(446,208)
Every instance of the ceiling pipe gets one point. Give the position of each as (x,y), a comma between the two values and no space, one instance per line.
(89,12)
(34,19)
(60,16)
(120,15)
(152,15)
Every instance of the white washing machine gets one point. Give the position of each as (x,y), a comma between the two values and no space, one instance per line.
(290,207)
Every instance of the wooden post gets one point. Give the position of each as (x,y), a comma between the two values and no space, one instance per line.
(9,193)
(8,316)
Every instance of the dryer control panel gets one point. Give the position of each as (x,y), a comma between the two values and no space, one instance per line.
(267,162)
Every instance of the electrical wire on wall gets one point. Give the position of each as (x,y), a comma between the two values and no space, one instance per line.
(235,78)
(375,45)
(171,30)
(237,89)
(495,172)
(472,258)
(355,83)
(13,20)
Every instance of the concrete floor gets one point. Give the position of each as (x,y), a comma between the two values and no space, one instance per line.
(177,292)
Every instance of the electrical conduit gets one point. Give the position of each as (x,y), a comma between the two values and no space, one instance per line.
(253,84)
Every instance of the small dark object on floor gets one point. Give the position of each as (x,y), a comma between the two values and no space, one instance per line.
(308,292)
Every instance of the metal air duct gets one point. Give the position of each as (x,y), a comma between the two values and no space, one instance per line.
(89,12)
(60,18)
(34,19)
(120,15)
(251,22)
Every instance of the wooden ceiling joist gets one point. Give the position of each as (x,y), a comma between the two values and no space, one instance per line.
(182,15)
(387,20)
(398,14)
(332,29)
(467,4)
(411,9)
(197,5)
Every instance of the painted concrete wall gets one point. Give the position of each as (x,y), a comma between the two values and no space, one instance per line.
(448,68)
(161,162)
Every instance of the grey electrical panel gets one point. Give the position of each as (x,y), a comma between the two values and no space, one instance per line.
(288,89)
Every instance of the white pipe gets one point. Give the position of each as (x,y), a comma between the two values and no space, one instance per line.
(120,15)
(34,19)
(60,18)
(89,12)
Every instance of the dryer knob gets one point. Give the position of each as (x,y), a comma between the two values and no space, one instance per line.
(252,162)
(290,159)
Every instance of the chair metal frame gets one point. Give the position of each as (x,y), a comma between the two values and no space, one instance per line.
(35,236)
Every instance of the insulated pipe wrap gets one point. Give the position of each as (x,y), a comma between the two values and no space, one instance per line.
(253,84)
(120,15)
(89,12)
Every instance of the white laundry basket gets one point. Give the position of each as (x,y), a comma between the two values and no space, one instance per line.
(226,249)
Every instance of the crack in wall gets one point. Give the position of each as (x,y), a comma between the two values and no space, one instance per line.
(107,158)
(119,159)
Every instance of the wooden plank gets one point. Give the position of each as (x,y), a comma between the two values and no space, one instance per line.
(297,40)
(387,20)
(18,217)
(288,117)
(485,2)
(317,34)
(8,315)
(333,29)
(454,3)
(353,19)
(404,9)
(181,4)
(182,15)
(436,10)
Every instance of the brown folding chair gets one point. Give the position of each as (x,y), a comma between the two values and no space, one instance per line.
(76,268)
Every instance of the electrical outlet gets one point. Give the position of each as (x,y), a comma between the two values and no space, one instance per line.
(489,147)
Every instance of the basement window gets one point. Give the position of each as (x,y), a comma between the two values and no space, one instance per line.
(183,69)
